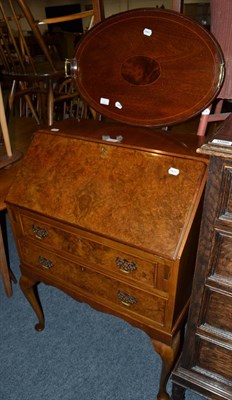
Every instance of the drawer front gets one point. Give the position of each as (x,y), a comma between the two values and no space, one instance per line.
(94,253)
(93,284)
(225,203)
(221,258)
(217,311)
(215,359)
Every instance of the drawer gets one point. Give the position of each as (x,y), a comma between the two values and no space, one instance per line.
(217,311)
(215,359)
(225,203)
(93,252)
(221,257)
(94,285)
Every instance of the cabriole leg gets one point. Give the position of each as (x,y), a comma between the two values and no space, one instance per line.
(168,355)
(28,287)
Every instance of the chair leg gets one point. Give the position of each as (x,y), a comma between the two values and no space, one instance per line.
(4,127)
(26,97)
(10,157)
(6,273)
(207,117)
(29,103)
(218,107)
(11,97)
(50,103)
(177,5)
(203,121)
(31,107)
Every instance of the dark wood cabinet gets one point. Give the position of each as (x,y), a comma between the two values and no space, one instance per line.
(206,362)
(112,224)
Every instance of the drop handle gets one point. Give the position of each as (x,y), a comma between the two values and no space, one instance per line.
(126,299)
(70,67)
(125,266)
(45,262)
(39,233)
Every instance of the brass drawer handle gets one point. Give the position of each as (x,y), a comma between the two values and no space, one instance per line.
(125,266)
(45,262)
(39,233)
(126,299)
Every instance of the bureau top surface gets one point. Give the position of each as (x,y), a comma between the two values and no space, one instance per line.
(139,197)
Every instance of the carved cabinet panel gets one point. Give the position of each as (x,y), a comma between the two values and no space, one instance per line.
(207,369)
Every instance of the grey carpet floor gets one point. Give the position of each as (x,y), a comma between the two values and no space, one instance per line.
(82,354)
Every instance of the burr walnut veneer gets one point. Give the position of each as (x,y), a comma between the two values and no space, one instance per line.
(114,224)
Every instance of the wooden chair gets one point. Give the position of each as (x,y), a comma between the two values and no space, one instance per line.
(38,78)
(10,156)
(177,5)
(5,160)
(5,271)
(222,32)
(221,27)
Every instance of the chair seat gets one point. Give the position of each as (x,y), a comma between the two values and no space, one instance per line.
(43,71)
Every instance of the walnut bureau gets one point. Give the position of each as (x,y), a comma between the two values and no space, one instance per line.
(207,369)
(108,212)
(111,225)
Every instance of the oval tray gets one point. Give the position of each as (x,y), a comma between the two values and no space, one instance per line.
(149,67)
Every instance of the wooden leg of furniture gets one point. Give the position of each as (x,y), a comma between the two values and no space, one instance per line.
(168,355)
(29,103)
(178,392)
(203,121)
(12,277)
(207,116)
(42,105)
(98,9)
(177,5)
(4,270)
(10,157)
(4,126)
(31,107)
(50,105)
(29,289)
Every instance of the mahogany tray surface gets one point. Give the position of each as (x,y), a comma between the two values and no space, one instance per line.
(149,67)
